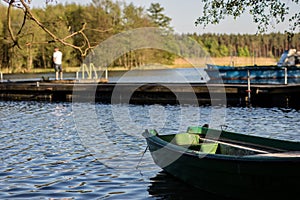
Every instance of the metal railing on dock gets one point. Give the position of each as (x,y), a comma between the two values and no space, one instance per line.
(248,91)
(90,72)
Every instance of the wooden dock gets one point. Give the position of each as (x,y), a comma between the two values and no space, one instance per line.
(152,93)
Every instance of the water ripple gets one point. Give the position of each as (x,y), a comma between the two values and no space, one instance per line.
(42,155)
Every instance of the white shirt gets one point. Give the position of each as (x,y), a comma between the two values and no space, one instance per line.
(57,57)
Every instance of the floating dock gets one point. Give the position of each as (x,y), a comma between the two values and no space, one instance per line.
(153,93)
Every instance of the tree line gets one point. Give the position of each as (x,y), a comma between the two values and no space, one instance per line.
(26,45)
(248,45)
(89,25)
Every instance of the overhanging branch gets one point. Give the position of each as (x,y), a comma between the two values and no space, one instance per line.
(23,5)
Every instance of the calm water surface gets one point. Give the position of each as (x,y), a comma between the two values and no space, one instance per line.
(55,150)
(166,75)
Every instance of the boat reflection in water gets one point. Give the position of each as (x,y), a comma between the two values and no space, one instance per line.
(165,186)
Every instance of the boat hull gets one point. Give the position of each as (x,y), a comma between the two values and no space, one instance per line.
(258,74)
(235,177)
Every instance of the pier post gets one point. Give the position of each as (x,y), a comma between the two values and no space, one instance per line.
(285,76)
(249,86)
(106,74)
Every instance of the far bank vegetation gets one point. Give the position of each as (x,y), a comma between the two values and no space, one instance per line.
(104,19)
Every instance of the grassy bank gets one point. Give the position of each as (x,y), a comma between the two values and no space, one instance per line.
(227,61)
(243,61)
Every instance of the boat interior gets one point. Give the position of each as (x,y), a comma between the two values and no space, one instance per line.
(197,139)
(201,139)
(197,143)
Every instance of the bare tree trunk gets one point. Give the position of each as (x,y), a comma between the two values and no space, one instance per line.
(125,60)
(44,58)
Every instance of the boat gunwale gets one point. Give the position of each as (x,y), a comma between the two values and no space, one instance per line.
(226,135)
(246,158)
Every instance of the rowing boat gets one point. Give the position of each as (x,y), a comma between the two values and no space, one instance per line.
(229,164)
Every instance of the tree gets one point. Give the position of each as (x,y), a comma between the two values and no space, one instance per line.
(223,49)
(158,17)
(28,35)
(265,12)
(64,39)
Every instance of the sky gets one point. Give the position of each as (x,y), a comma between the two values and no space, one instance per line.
(185,12)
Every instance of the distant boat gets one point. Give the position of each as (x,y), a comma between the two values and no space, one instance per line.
(287,70)
(236,165)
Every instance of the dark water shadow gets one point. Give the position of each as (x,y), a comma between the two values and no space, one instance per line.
(165,186)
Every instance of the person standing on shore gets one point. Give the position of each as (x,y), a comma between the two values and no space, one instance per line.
(57,60)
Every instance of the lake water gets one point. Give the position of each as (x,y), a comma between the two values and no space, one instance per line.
(167,75)
(95,151)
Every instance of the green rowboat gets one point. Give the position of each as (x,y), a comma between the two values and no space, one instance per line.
(229,164)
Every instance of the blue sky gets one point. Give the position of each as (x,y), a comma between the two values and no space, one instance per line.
(185,12)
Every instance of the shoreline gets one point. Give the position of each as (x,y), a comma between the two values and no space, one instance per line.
(178,63)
